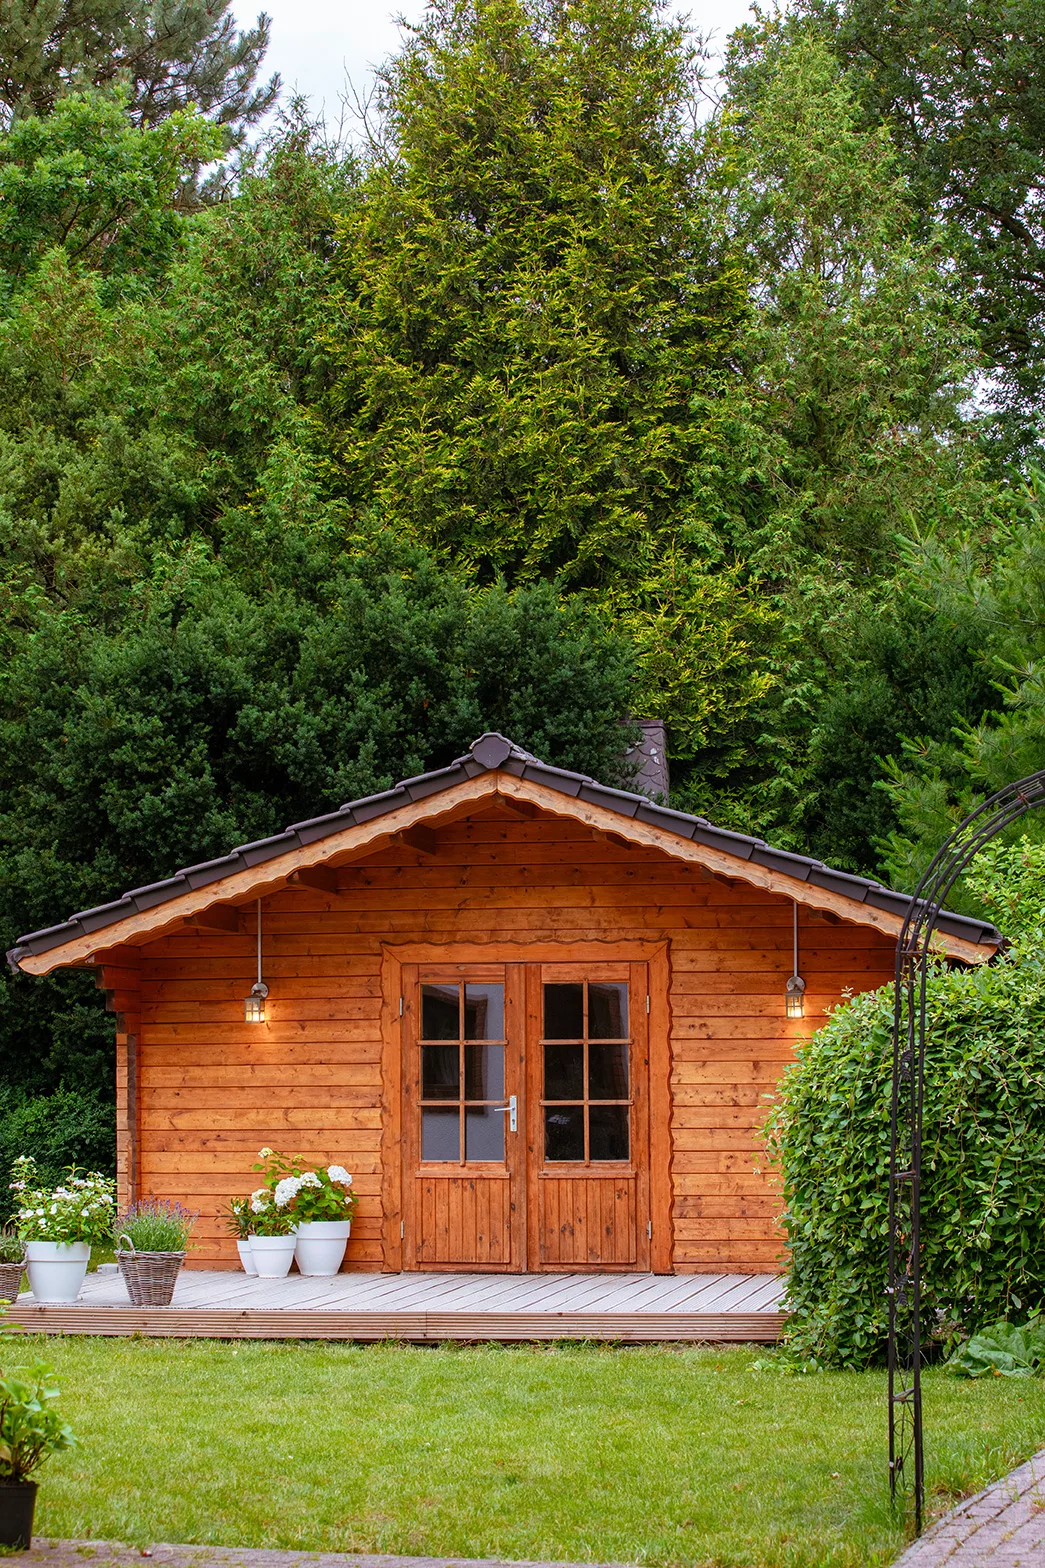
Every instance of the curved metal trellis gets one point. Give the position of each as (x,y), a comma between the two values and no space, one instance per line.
(913,951)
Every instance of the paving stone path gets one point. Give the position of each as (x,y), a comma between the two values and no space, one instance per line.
(110,1554)
(1003,1527)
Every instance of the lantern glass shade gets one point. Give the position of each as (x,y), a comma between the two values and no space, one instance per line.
(796,997)
(254,1004)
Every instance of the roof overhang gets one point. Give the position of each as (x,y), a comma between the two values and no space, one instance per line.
(686,839)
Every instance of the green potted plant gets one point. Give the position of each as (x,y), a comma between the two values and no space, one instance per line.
(239,1220)
(59,1225)
(30,1431)
(12,1264)
(273,1235)
(152,1238)
(320,1203)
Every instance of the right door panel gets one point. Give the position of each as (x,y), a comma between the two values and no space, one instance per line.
(587,1116)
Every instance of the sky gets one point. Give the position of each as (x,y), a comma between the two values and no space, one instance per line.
(318,46)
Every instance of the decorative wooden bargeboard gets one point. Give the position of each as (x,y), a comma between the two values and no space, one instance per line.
(536,1018)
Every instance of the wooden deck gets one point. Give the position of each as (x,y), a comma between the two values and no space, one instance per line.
(632,1308)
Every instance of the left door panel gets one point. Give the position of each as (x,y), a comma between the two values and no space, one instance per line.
(463,1177)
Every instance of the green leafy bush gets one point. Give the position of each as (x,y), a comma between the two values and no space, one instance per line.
(1001,1351)
(30,1427)
(983,1191)
(68,1127)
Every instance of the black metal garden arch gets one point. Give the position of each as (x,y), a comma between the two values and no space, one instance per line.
(913,952)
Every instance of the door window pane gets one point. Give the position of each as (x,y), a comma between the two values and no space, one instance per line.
(484,1012)
(564,1072)
(607,1011)
(440,1134)
(440,1072)
(564,1012)
(484,1073)
(483,1133)
(608,1132)
(440,1018)
(564,1132)
(607,1072)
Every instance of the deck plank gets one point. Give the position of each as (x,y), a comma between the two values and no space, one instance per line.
(631,1308)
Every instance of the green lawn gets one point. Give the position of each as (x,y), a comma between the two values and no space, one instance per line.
(639,1455)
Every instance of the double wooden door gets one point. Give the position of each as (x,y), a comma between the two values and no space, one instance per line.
(525,1116)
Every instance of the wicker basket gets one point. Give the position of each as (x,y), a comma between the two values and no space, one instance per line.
(11,1280)
(150,1276)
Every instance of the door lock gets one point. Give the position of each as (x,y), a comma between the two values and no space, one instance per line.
(512,1112)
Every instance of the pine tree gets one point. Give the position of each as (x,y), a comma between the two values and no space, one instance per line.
(166,54)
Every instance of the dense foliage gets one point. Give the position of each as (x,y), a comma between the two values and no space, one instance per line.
(983,1185)
(959,89)
(166,58)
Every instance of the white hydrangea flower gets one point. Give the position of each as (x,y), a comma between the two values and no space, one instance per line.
(264,1154)
(286,1189)
(310,1179)
(339,1174)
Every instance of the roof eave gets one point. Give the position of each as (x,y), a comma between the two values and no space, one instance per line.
(357,830)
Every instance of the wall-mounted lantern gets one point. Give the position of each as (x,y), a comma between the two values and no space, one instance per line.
(254,1004)
(795,992)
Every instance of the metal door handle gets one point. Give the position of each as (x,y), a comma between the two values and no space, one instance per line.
(512,1109)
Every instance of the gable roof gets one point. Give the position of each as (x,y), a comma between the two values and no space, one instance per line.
(493,766)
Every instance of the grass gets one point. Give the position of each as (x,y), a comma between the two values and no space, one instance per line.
(643,1455)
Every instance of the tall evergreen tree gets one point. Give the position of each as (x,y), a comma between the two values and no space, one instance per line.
(167,55)
(960,86)
(529,300)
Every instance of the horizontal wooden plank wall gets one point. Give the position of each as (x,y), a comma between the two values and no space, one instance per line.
(213,1090)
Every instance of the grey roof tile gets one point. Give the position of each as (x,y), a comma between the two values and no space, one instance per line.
(613,799)
(158,893)
(312,832)
(372,806)
(839,882)
(103,915)
(721,838)
(490,751)
(426,784)
(798,866)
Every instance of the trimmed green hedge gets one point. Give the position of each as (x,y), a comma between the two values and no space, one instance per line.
(70,1126)
(983,1193)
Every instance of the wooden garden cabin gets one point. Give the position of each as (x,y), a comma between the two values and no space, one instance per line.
(534,1016)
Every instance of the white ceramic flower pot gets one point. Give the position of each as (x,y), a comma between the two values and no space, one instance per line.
(246,1256)
(321,1245)
(57,1269)
(272,1255)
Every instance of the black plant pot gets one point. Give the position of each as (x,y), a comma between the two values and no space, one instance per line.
(17,1506)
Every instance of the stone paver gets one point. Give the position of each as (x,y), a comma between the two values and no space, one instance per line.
(112,1554)
(1003,1527)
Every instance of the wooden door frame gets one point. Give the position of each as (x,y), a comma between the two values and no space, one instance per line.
(656,954)
(631,971)
(512,978)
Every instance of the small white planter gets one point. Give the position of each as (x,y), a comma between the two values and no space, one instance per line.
(272,1255)
(246,1256)
(57,1269)
(321,1245)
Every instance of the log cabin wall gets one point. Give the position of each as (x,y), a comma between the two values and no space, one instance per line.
(213,1090)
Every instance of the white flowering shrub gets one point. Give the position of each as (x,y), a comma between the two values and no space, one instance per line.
(265,1218)
(81,1208)
(299,1195)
